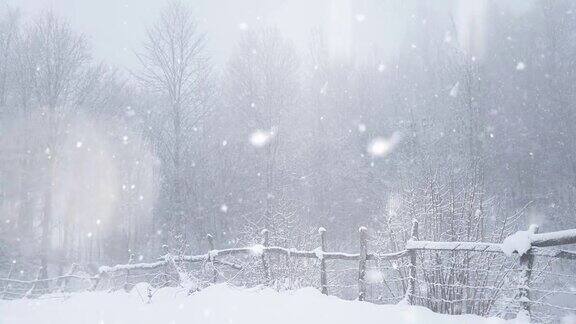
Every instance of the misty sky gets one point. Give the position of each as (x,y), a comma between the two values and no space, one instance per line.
(116,27)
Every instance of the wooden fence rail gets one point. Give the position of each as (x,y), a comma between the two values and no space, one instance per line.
(413,246)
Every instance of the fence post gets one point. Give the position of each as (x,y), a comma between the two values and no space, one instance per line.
(323,279)
(167,257)
(33,287)
(126,285)
(66,279)
(8,285)
(526,263)
(265,265)
(411,289)
(362,264)
(95,281)
(211,257)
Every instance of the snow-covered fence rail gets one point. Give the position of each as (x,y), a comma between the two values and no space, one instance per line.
(259,249)
(18,288)
(553,238)
(454,246)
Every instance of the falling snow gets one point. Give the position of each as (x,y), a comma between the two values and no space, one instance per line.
(520,66)
(260,138)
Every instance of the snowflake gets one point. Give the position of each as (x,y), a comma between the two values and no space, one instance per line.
(520,66)
(260,138)
(381,146)
(374,276)
(257,249)
(455,89)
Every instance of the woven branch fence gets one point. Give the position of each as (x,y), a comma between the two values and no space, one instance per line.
(447,277)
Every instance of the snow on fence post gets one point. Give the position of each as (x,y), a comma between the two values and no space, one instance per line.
(130,261)
(526,263)
(362,264)
(212,256)
(265,265)
(411,288)
(323,279)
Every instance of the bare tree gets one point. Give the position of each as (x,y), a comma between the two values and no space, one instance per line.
(61,54)
(9,20)
(263,85)
(175,67)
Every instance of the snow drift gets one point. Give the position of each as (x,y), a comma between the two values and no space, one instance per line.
(216,304)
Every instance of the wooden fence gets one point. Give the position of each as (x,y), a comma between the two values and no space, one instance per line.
(540,247)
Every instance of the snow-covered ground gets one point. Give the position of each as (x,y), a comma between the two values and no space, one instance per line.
(220,304)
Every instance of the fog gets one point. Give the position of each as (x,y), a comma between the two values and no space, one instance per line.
(116,28)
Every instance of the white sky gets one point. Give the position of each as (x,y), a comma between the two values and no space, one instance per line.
(116,27)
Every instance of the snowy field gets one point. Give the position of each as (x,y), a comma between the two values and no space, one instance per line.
(219,304)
